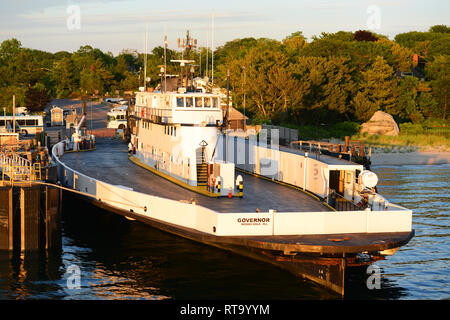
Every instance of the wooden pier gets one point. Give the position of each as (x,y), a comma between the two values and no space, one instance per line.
(29,209)
(29,216)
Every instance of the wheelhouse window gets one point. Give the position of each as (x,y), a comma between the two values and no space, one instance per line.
(207,102)
(198,102)
(180,102)
(189,102)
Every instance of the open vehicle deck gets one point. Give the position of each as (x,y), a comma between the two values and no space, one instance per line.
(110,163)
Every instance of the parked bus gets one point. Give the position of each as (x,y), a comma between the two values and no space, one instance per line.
(117,118)
(26,124)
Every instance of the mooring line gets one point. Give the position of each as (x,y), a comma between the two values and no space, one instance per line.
(85,194)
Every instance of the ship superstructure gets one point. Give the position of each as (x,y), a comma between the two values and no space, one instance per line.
(178,128)
(175,132)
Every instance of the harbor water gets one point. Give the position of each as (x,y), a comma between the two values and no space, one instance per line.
(105,256)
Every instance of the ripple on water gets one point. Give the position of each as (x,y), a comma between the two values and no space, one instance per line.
(422,266)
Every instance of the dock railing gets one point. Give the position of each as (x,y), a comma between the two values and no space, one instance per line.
(16,168)
(351,148)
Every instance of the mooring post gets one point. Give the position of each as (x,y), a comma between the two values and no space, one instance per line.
(29,217)
(6,218)
(52,198)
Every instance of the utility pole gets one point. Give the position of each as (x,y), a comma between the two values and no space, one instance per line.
(165,64)
(228,93)
(226,115)
(14,113)
(243,90)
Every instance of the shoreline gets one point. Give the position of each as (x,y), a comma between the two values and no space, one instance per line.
(410,158)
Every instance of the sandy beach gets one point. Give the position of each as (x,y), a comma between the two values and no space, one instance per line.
(410,158)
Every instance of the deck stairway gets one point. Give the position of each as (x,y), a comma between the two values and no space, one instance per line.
(202,168)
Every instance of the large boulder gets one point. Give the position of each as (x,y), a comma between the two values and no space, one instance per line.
(381,123)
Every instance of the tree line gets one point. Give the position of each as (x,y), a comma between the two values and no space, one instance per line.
(342,76)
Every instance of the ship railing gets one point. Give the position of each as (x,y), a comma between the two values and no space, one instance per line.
(152,113)
(340,203)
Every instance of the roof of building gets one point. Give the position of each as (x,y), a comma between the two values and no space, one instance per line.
(234,114)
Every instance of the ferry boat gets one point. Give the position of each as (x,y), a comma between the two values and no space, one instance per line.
(314,215)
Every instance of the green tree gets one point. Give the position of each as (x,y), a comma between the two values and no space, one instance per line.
(440,28)
(428,105)
(6,97)
(376,91)
(294,43)
(36,98)
(439,73)
(406,106)
(95,79)
(63,77)
(324,83)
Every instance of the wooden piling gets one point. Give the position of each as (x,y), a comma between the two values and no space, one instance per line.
(52,196)
(6,218)
(29,218)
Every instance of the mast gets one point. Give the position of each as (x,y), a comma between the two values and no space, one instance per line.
(212,49)
(188,45)
(165,63)
(207,54)
(145,58)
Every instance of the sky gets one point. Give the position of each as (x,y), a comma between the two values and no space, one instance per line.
(114,25)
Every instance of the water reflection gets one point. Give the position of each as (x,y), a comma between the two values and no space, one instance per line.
(30,275)
(422,265)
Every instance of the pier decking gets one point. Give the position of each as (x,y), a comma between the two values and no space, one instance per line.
(110,163)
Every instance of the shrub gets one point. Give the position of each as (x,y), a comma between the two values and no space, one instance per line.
(346,128)
(410,128)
